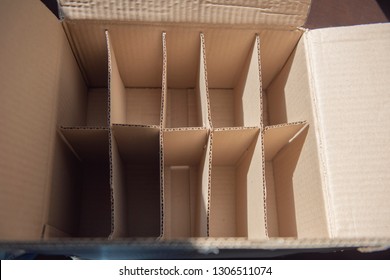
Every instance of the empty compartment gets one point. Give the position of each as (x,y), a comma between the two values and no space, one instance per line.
(185,89)
(135,100)
(186,171)
(136,181)
(236,103)
(236,203)
(283,145)
(80,201)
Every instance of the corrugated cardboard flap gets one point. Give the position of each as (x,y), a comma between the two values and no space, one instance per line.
(350,90)
(291,13)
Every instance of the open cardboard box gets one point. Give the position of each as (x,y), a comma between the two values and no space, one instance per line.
(192,123)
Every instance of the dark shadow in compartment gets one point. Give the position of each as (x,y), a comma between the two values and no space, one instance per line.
(136,181)
(80,202)
(283,146)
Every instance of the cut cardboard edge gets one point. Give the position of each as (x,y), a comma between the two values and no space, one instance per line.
(240,13)
(164,86)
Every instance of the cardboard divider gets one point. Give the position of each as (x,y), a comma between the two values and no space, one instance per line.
(80,203)
(129,104)
(185,166)
(236,208)
(240,106)
(136,181)
(282,146)
(185,106)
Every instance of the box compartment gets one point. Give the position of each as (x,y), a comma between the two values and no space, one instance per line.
(186,172)
(240,105)
(80,204)
(282,147)
(136,181)
(186,101)
(235,210)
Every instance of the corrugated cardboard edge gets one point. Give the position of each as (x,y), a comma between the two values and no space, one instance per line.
(207,244)
(203,50)
(287,14)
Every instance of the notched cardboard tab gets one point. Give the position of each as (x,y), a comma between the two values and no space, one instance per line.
(277,136)
(236,12)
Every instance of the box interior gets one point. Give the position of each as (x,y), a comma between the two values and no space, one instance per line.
(166,131)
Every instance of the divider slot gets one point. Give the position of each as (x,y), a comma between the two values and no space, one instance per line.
(185,166)
(239,106)
(80,204)
(136,181)
(186,103)
(282,145)
(236,205)
(134,104)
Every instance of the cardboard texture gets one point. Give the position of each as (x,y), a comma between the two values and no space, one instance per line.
(218,123)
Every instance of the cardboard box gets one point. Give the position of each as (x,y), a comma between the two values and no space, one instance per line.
(192,123)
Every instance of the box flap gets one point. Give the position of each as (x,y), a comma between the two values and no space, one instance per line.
(36,67)
(234,12)
(350,82)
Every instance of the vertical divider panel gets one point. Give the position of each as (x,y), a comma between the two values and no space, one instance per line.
(117,94)
(164,87)
(118,193)
(163,117)
(202,86)
(203,207)
(248,91)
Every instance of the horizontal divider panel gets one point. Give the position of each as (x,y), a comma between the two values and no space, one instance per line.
(136,181)
(80,201)
(240,105)
(230,144)
(236,202)
(277,136)
(185,165)
(284,144)
(184,146)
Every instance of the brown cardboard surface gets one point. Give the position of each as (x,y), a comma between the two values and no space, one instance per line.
(184,147)
(97,109)
(228,169)
(31,79)
(140,64)
(235,210)
(289,100)
(138,147)
(352,116)
(184,153)
(238,12)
